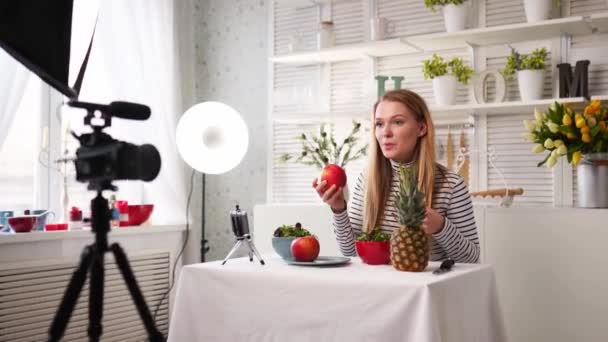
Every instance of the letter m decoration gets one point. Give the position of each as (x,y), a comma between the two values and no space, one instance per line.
(577,86)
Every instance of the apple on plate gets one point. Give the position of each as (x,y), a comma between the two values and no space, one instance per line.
(305,248)
(333,175)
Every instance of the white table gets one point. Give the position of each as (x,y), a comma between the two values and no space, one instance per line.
(244,301)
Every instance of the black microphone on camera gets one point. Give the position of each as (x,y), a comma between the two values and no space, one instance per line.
(119,109)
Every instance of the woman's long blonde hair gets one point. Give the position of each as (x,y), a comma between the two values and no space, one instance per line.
(379,170)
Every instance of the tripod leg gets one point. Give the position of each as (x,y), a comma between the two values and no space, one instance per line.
(234,248)
(123,265)
(96,295)
(70,297)
(255,250)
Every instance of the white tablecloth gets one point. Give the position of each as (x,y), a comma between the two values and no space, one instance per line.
(244,301)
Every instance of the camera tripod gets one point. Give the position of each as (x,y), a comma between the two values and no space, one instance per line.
(92,260)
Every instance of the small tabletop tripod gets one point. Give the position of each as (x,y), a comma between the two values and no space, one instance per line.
(240,228)
(92,260)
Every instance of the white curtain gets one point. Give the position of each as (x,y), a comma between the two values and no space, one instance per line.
(135,57)
(13,79)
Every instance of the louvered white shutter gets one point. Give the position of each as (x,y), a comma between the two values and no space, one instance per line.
(290,20)
(296,90)
(409,18)
(347,17)
(516,162)
(504,12)
(587,7)
(30,296)
(347,81)
(292,182)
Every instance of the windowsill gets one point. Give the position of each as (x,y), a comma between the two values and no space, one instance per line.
(8,238)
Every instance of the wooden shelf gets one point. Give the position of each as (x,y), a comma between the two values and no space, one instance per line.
(381,48)
(502,34)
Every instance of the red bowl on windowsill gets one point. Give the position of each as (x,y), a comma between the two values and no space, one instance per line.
(374,252)
(22,224)
(139,213)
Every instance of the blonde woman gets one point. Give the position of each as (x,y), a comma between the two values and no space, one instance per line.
(403,134)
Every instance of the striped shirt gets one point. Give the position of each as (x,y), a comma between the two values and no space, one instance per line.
(458,238)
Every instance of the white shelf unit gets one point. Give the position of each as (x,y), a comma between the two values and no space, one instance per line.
(511,107)
(504,34)
(389,47)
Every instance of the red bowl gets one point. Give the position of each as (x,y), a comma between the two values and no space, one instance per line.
(374,252)
(55,226)
(139,214)
(22,224)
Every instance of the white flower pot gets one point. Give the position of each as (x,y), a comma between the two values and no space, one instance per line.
(444,89)
(537,10)
(531,84)
(455,17)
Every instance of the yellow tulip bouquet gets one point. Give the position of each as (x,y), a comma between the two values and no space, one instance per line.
(563,132)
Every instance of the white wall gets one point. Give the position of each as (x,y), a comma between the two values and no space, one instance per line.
(231,67)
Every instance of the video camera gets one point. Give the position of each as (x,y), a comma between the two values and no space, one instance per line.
(100,159)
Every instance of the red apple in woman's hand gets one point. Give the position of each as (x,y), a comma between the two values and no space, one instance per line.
(305,248)
(333,175)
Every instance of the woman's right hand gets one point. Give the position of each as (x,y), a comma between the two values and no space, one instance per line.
(333,196)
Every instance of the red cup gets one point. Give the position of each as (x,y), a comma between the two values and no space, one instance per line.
(22,224)
(55,226)
(374,252)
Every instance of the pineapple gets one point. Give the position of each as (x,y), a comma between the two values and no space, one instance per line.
(410,248)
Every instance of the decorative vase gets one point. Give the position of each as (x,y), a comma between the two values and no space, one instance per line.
(537,10)
(531,84)
(592,181)
(455,17)
(444,89)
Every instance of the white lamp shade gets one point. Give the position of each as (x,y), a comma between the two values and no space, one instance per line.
(212,137)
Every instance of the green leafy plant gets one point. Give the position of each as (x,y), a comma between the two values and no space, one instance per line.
(436,66)
(323,149)
(375,235)
(432,3)
(517,61)
(291,231)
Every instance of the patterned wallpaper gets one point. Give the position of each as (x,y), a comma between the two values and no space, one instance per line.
(231,47)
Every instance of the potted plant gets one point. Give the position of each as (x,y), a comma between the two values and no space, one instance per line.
(583,138)
(445,76)
(539,10)
(284,235)
(374,247)
(324,152)
(455,13)
(530,72)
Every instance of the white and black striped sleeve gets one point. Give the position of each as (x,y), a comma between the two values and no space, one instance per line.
(349,222)
(458,238)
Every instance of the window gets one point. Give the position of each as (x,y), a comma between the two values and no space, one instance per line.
(21,161)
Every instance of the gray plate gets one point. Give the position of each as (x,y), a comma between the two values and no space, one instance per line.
(322,261)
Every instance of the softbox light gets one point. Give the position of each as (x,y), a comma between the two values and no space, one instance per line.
(37,33)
